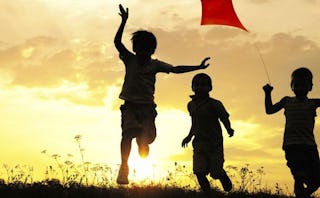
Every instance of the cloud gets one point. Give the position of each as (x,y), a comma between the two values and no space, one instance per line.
(311,1)
(236,68)
(260,1)
(61,19)
(23,20)
(48,63)
(81,56)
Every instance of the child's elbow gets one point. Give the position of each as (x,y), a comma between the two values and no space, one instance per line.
(116,42)
(269,111)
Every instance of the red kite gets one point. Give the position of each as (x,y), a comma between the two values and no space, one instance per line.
(220,12)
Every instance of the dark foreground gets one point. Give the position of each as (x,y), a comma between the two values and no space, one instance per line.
(57,191)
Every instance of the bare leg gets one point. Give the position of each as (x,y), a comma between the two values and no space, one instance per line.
(125,150)
(203,182)
(299,190)
(300,183)
(225,181)
(124,168)
(143,147)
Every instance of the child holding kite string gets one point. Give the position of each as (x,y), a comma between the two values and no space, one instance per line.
(299,144)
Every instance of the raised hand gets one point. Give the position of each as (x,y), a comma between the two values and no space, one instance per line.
(203,64)
(267,88)
(124,13)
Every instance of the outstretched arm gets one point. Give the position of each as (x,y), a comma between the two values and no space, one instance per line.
(317,101)
(118,37)
(269,106)
(183,69)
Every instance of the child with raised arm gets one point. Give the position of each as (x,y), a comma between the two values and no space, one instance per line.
(138,112)
(299,144)
(208,155)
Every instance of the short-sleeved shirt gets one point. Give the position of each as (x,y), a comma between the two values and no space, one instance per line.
(139,81)
(300,118)
(205,114)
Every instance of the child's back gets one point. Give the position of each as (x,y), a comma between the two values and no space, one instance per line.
(208,155)
(206,125)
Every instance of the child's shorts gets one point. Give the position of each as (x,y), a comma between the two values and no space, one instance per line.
(138,121)
(303,161)
(206,162)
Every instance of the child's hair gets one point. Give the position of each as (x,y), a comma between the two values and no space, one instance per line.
(144,39)
(203,77)
(302,73)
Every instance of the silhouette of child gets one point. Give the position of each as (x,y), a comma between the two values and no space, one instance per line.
(299,144)
(139,110)
(205,112)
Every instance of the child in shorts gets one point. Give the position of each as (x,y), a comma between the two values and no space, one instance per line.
(138,112)
(206,114)
(299,144)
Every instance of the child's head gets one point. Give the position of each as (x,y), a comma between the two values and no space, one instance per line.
(144,43)
(301,81)
(201,84)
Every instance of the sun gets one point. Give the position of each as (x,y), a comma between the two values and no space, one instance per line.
(142,169)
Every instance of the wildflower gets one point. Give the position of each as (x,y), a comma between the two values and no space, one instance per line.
(69,155)
(77,138)
(68,162)
(55,156)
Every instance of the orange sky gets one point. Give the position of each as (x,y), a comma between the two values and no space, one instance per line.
(60,76)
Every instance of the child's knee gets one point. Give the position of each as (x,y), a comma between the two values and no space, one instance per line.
(217,171)
(147,136)
(216,174)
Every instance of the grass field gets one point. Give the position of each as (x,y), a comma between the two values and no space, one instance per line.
(56,190)
(69,179)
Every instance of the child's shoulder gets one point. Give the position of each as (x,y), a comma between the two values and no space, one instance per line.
(125,56)
(316,101)
(286,99)
(214,101)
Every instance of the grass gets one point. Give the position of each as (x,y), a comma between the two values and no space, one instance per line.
(67,179)
(56,190)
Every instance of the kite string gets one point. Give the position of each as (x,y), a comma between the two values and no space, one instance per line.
(264,65)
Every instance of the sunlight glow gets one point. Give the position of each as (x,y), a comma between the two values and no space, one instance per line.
(60,75)
(141,169)
(5,78)
(245,127)
(112,94)
(79,90)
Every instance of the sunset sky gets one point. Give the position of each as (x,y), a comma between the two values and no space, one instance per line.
(60,76)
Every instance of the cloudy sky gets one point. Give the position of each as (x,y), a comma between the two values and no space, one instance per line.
(60,76)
